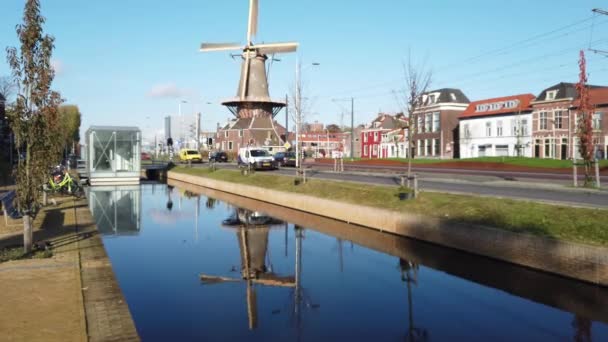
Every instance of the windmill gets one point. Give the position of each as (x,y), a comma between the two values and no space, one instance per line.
(252,101)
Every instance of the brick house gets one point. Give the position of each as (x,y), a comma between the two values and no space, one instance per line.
(371,135)
(553,124)
(253,131)
(435,124)
(599,121)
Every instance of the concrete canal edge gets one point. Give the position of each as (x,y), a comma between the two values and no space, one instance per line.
(577,261)
(107,314)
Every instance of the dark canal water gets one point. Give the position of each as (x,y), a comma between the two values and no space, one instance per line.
(315,279)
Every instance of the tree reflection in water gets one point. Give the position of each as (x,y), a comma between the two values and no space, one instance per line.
(409,275)
(582,329)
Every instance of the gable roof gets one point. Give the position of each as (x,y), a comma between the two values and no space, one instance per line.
(498,106)
(445,95)
(387,121)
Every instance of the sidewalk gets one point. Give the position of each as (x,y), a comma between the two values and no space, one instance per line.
(72,296)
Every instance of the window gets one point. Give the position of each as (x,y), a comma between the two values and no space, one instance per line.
(524,127)
(551,95)
(225,134)
(364,137)
(375,136)
(436,122)
(502,150)
(240,133)
(596,121)
(366,150)
(375,150)
(429,147)
(419,147)
(436,146)
(419,119)
(559,124)
(428,122)
(467,131)
(499,128)
(514,128)
(543,120)
(547,148)
(230,145)
(488,129)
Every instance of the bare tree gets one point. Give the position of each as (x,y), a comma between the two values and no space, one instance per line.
(7,87)
(417,80)
(33,117)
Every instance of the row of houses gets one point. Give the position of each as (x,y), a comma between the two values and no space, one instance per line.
(447,125)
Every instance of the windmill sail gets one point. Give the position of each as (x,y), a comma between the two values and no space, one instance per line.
(268,49)
(252,28)
(205,47)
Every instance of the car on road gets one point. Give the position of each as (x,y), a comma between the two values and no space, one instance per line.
(257,158)
(218,157)
(285,158)
(190,155)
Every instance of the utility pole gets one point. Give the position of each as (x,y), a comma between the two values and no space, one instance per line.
(286,118)
(198,132)
(352,127)
(599,11)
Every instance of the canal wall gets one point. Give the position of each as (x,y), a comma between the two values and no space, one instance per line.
(581,262)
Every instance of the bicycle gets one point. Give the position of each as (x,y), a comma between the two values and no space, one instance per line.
(61,181)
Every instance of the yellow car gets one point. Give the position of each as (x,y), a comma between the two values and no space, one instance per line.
(186,155)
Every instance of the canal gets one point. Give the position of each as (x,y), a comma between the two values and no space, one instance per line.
(197,264)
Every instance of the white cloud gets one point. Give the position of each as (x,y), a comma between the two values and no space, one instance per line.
(168,90)
(58,66)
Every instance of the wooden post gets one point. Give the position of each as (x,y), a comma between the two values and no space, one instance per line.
(341,164)
(28,231)
(415,185)
(597,173)
(574,175)
(402,180)
(44,198)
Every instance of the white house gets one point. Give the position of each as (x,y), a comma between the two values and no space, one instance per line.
(394,144)
(497,127)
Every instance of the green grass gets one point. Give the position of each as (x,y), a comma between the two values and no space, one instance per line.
(565,223)
(519,161)
(17,253)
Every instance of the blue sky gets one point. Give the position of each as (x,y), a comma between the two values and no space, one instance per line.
(130,62)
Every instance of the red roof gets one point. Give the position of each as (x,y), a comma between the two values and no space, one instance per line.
(597,96)
(498,105)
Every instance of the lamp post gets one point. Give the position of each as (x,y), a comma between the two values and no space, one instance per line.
(299,107)
(181,119)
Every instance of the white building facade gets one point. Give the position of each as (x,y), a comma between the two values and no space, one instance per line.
(394,144)
(498,127)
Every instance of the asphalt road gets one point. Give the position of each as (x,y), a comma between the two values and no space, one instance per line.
(471,184)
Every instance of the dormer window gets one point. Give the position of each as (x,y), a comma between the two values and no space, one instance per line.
(453,97)
(551,95)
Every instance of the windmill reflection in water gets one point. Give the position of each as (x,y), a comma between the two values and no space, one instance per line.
(252,229)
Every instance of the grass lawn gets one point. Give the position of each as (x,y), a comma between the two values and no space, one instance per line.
(573,224)
(520,161)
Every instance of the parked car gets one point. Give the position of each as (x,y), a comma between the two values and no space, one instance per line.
(145,156)
(285,158)
(256,157)
(190,155)
(219,157)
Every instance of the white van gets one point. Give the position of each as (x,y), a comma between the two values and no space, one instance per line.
(258,158)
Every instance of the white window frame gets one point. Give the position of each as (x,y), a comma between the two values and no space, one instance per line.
(428,122)
(488,129)
(499,128)
(596,121)
(436,121)
(558,119)
(543,120)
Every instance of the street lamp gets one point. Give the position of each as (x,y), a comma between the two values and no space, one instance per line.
(298,106)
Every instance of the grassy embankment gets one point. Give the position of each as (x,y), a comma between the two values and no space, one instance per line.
(565,223)
(518,161)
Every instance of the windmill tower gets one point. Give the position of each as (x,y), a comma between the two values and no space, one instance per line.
(252,106)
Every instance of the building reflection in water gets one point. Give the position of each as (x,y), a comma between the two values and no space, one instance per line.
(116,209)
(252,229)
